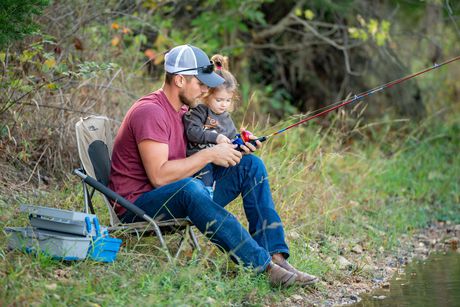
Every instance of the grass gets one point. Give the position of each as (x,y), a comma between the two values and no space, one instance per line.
(332,191)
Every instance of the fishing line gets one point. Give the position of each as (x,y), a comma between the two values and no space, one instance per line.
(245,135)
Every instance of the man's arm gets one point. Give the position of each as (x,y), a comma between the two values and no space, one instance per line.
(160,171)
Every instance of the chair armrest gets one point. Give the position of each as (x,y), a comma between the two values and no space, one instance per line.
(109,193)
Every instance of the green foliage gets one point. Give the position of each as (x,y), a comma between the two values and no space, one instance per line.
(16,19)
(378,31)
(330,195)
(44,70)
(224,26)
(333,179)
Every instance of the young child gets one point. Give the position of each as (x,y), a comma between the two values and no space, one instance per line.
(210,123)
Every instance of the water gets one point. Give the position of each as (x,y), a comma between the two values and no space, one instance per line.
(433,282)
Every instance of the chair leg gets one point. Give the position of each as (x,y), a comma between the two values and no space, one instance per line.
(194,241)
(87,199)
(184,238)
(159,235)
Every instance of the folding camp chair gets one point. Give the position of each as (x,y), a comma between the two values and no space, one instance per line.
(94,140)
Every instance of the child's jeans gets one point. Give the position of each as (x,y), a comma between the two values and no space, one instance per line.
(206,174)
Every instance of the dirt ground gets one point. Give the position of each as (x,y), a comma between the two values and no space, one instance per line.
(379,267)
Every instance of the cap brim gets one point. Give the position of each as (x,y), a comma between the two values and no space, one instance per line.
(211,80)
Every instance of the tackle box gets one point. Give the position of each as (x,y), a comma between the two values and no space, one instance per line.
(59,220)
(57,245)
(63,234)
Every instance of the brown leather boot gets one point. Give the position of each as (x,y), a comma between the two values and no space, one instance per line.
(302,278)
(279,276)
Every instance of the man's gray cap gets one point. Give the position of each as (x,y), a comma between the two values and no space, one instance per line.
(190,60)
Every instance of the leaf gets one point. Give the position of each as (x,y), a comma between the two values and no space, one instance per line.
(126,30)
(140,39)
(160,42)
(373,26)
(50,63)
(115,41)
(51,86)
(62,67)
(361,20)
(150,54)
(380,38)
(385,26)
(353,32)
(298,12)
(27,55)
(358,33)
(309,15)
(158,59)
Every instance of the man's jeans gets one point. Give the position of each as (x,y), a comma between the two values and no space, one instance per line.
(189,198)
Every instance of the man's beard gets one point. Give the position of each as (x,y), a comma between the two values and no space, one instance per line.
(186,101)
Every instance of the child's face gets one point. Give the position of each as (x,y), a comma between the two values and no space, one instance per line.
(220,101)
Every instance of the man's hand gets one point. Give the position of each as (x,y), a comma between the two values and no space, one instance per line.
(225,155)
(223,139)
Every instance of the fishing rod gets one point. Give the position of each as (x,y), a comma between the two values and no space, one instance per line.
(245,135)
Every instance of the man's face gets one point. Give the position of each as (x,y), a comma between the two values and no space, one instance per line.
(191,91)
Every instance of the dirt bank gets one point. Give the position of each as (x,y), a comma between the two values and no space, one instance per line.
(364,270)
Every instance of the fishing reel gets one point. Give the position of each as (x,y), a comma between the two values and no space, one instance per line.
(244,137)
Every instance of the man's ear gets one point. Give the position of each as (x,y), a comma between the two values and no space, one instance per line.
(179,80)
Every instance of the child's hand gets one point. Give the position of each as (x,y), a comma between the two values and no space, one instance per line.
(223,139)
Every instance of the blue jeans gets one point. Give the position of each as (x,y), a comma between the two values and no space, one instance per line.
(206,174)
(189,198)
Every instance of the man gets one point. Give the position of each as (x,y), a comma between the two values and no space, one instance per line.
(149,168)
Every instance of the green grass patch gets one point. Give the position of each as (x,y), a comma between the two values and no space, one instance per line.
(332,191)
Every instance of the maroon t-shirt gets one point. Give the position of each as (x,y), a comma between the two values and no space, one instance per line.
(150,118)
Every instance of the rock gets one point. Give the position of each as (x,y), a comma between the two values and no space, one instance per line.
(439,246)
(294,235)
(421,250)
(353,203)
(390,270)
(451,240)
(354,297)
(379,297)
(386,285)
(422,238)
(357,249)
(297,298)
(458,250)
(210,300)
(457,227)
(369,268)
(377,280)
(343,263)
(52,286)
